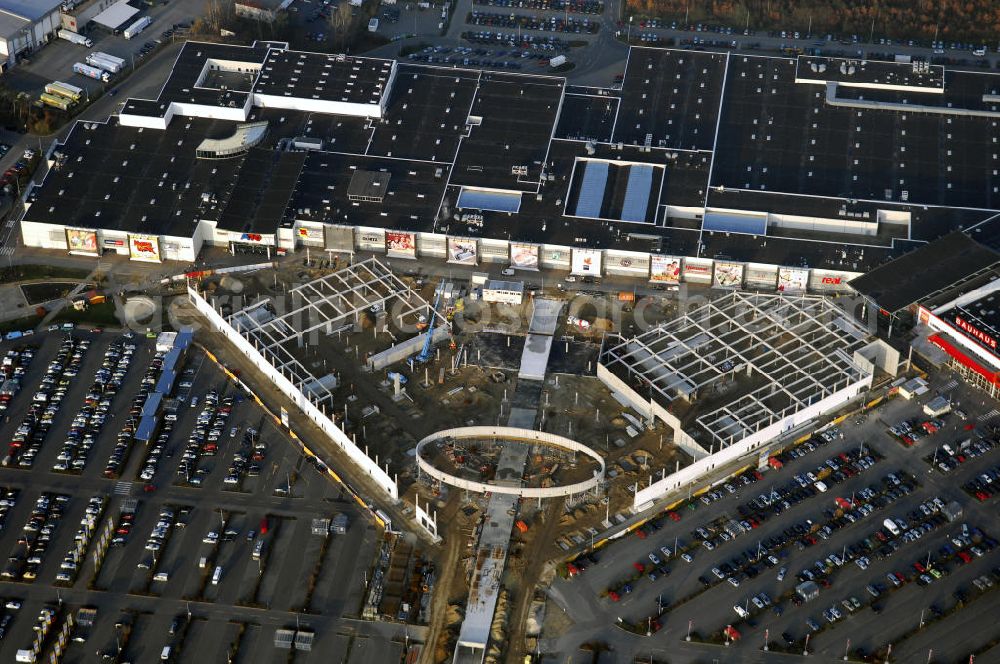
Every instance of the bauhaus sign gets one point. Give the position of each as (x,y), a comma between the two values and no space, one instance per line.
(987,340)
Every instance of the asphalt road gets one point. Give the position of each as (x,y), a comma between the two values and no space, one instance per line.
(594,618)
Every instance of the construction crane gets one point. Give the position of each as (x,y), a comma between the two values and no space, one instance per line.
(425,354)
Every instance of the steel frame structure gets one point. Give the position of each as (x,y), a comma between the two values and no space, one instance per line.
(333,302)
(792,350)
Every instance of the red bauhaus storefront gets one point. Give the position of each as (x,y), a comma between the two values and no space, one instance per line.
(969,365)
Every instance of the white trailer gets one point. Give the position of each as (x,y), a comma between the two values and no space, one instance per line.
(96,60)
(109,57)
(92,72)
(557,61)
(137,27)
(74,37)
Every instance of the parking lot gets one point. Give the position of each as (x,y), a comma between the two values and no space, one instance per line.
(211,560)
(857,513)
(54,61)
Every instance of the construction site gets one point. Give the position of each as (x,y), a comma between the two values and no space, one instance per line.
(393,360)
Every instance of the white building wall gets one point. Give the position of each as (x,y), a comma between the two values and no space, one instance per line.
(830,281)
(554,256)
(174,248)
(318,106)
(684,211)
(751,443)
(43,236)
(494,251)
(824,224)
(433,245)
(147,122)
(379,476)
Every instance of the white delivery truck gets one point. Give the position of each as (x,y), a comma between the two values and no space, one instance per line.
(106,62)
(137,27)
(92,72)
(74,37)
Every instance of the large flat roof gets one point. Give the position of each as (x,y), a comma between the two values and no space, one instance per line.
(31,10)
(922,273)
(185,83)
(136,180)
(781,136)
(322,76)
(512,119)
(825,186)
(426,113)
(670,97)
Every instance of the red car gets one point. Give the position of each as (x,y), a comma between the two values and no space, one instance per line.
(614,596)
(639,567)
(674,516)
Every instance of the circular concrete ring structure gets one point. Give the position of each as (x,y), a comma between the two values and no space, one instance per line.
(513,434)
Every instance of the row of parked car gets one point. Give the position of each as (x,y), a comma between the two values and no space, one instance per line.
(89,523)
(120,452)
(157,538)
(36,536)
(517,40)
(247,459)
(571,6)
(909,431)
(96,410)
(204,439)
(802,534)
(525,22)
(46,402)
(7,503)
(836,469)
(985,485)
(12,369)
(950,456)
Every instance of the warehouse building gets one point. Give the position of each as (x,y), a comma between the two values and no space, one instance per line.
(685,175)
(25,26)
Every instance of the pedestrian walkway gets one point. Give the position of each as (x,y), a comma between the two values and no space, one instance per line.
(491,550)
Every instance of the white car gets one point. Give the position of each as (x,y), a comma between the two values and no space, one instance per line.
(740,611)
